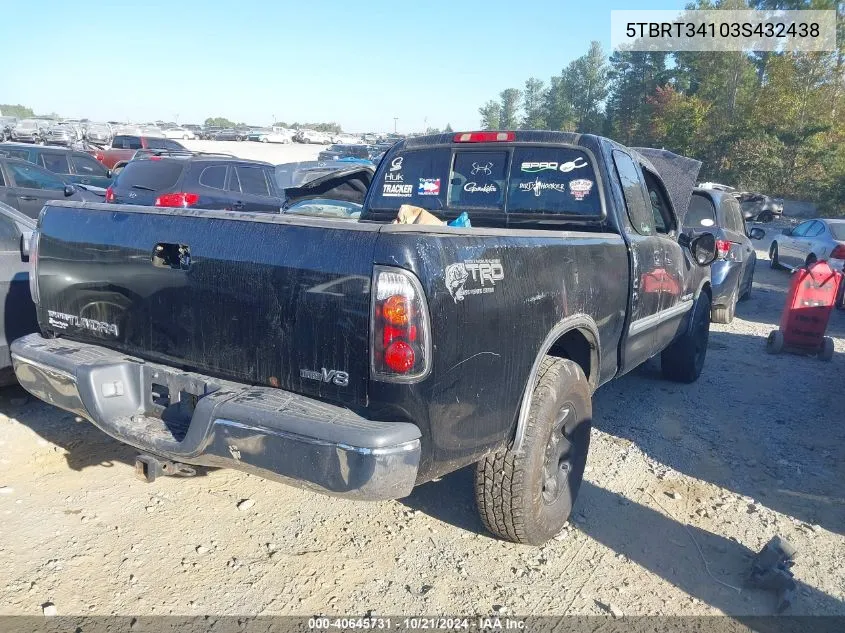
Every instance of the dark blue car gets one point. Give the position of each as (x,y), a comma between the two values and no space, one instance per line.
(74,166)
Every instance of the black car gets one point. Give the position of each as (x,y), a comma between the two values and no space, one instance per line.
(74,166)
(227,134)
(15,234)
(27,187)
(6,125)
(732,274)
(207,181)
(336,152)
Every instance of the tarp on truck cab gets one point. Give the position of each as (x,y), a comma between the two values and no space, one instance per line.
(348,185)
(678,173)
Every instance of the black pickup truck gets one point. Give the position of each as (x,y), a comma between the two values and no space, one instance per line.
(363,358)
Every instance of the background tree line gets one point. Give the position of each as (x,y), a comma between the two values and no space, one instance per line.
(768,122)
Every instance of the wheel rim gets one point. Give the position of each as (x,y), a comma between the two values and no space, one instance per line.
(562,455)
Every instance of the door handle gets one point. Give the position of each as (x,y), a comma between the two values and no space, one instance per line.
(176,256)
(28,198)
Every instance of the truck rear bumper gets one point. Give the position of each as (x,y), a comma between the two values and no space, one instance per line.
(194,419)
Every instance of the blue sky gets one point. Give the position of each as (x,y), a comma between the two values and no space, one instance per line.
(357,63)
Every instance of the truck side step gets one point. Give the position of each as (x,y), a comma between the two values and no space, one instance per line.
(147,468)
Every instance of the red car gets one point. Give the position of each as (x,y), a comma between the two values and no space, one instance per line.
(124,146)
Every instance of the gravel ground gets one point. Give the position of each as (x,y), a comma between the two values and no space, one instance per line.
(684,484)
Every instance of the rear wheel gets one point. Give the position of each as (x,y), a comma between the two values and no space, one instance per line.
(811,259)
(774,342)
(773,256)
(747,294)
(526,495)
(827,348)
(683,360)
(765,216)
(724,314)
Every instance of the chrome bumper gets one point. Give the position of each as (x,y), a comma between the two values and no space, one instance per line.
(204,421)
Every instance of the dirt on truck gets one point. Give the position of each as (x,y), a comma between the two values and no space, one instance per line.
(362,359)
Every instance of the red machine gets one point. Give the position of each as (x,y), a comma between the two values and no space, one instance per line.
(812,296)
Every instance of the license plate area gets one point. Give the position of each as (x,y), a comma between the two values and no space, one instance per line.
(172,397)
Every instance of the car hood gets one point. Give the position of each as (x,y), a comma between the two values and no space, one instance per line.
(678,173)
(348,185)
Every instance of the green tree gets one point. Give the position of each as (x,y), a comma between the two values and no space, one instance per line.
(490,115)
(17,110)
(533,104)
(589,90)
(448,128)
(509,117)
(219,121)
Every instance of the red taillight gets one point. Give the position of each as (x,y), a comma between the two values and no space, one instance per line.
(180,199)
(400,346)
(99,156)
(399,356)
(838,252)
(109,195)
(723,247)
(483,137)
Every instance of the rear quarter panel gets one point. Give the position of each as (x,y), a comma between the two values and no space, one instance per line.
(486,339)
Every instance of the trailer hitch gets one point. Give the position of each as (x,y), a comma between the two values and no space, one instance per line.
(147,468)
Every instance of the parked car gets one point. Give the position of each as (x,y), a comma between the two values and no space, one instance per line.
(760,207)
(179,132)
(17,317)
(336,152)
(208,131)
(732,274)
(335,194)
(6,125)
(30,130)
(364,358)
(74,166)
(311,136)
(124,146)
(810,241)
(204,181)
(98,133)
(226,134)
(27,187)
(61,134)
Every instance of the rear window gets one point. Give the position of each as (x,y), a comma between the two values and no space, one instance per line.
(126,142)
(837,230)
(701,213)
(525,180)
(150,174)
(214,177)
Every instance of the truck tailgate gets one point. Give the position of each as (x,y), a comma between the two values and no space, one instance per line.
(269,300)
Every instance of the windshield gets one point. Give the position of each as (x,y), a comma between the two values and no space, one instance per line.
(701,212)
(837,230)
(27,125)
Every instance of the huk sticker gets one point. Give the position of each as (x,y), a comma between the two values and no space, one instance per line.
(429,187)
(480,275)
(580,188)
(389,190)
(472,187)
(538,186)
(396,163)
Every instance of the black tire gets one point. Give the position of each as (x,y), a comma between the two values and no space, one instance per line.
(765,216)
(827,349)
(683,360)
(811,259)
(747,294)
(526,495)
(724,314)
(773,256)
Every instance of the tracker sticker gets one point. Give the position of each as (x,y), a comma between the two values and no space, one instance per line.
(580,188)
(428,187)
(389,190)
